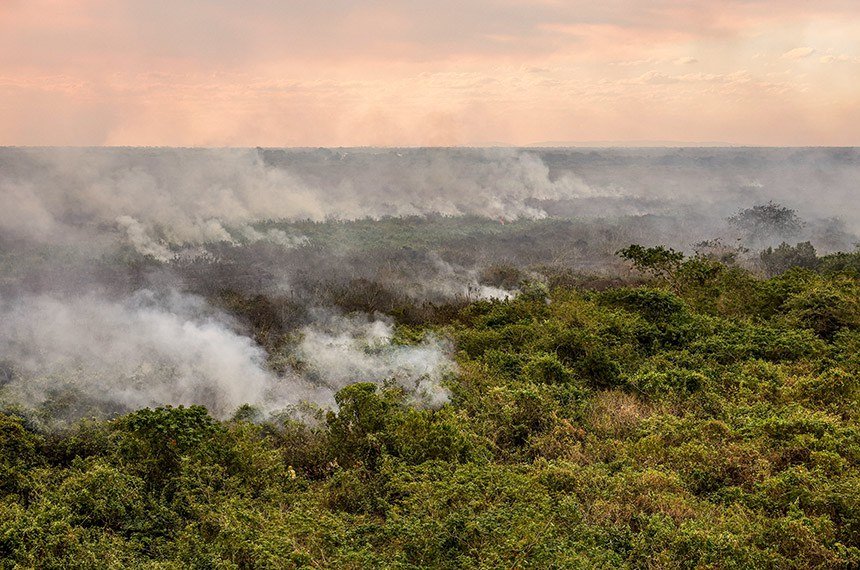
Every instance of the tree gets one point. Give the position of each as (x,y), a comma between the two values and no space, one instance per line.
(659,261)
(765,221)
(784,257)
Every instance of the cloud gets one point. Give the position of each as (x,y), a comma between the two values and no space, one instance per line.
(798,53)
(839,58)
(655,78)
(230,73)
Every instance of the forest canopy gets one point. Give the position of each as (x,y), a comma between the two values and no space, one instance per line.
(692,416)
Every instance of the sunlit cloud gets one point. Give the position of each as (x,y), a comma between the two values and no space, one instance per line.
(198,72)
(798,53)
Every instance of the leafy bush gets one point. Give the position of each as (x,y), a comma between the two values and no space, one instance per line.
(784,257)
(825,310)
(707,419)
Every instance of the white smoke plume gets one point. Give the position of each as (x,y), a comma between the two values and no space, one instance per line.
(337,351)
(195,196)
(150,349)
(140,239)
(451,281)
(273,235)
(141,351)
(153,199)
(182,196)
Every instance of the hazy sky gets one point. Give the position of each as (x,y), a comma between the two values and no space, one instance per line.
(442,72)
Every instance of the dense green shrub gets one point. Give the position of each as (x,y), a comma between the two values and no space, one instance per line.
(784,257)
(841,262)
(707,419)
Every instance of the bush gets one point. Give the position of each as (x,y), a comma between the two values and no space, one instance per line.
(655,305)
(784,257)
(547,369)
(103,496)
(825,310)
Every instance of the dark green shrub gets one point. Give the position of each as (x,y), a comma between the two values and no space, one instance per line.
(655,305)
(103,496)
(547,369)
(357,430)
(825,310)
(784,257)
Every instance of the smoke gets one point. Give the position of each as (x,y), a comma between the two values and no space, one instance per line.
(336,351)
(141,240)
(157,199)
(451,281)
(88,326)
(273,235)
(24,212)
(151,198)
(493,183)
(141,351)
(181,196)
(100,355)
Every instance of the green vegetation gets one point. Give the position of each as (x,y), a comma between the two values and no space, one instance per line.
(705,419)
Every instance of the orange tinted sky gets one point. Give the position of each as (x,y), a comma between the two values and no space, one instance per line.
(444,72)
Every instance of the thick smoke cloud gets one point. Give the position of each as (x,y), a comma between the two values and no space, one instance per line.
(114,259)
(136,352)
(161,197)
(155,198)
(154,349)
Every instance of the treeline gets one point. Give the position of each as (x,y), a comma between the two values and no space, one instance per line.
(705,418)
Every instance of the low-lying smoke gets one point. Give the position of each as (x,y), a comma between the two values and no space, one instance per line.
(131,353)
(336,351)
(94,355)
(452,281)
(158,198)
(112,259)
(169,196)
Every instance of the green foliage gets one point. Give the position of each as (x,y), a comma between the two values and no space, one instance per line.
(655,305)
(658,261)
(358,428)
(101,495)
(825,309)
(18,455)
(547,369)
(708,419)
(841,262)
(784,257)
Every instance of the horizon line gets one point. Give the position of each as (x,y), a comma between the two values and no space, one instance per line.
(539,146)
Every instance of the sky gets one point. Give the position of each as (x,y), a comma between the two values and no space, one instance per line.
(429,73)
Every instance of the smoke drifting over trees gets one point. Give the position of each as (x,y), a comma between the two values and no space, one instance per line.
(137,277)
(198,196)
